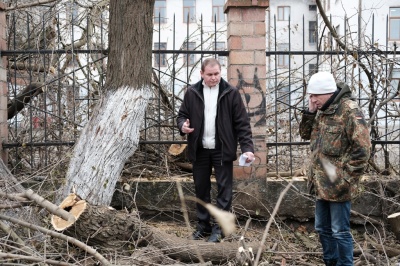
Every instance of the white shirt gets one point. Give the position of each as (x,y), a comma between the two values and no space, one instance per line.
(210,112)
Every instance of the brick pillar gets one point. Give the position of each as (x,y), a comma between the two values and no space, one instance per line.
(246,32)
(3,85)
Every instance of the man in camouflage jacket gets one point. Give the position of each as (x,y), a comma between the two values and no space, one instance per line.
(340,149)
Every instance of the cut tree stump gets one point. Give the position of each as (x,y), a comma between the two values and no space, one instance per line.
(104,227)
(394,221)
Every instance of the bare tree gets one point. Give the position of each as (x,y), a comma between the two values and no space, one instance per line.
(111,136)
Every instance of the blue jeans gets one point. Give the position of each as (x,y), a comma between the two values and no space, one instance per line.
(332,222)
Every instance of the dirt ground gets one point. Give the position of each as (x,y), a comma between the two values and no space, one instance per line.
(291,242)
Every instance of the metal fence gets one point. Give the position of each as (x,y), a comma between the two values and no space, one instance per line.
(57,66)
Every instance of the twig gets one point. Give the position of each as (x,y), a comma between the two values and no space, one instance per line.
(371,220)
(274,212)
(246,251)
(72,240)
(12,206)
(14,196)
(186,216)
(35,259)
(8,230)
(391,252)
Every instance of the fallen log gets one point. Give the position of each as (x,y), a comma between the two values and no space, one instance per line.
(104,227)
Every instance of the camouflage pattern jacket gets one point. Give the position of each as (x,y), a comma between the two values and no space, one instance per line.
(340,147)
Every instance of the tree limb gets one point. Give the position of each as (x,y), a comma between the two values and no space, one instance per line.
(31,258)
(19,102)
(54,209)
(340,43)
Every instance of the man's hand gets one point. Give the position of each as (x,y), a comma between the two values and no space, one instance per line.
(250,156)
(186,127)
(312,107)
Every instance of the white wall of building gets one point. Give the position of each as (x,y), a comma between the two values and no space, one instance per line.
(295,38)
(164,33)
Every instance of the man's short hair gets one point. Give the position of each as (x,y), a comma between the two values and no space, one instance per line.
(210,62)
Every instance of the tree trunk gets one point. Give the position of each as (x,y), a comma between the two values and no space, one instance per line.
(106,228)
(112,134)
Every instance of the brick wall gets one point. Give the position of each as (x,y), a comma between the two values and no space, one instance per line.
(246,32)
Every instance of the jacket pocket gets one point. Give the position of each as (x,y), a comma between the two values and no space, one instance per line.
(331,143)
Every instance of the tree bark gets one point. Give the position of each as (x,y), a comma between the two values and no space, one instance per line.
(106,228)
(112,134)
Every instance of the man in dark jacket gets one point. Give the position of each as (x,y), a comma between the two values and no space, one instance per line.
(340,149)
(215,119)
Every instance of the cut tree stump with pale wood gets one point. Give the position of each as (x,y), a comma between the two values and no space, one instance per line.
(394,221)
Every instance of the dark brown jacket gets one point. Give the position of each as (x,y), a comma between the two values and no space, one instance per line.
(231,124)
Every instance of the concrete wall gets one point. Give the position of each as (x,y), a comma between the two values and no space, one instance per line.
(255,197)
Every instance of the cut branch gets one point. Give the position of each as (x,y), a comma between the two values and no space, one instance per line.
(17,104)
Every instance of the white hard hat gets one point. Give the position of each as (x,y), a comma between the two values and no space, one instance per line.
(321,83)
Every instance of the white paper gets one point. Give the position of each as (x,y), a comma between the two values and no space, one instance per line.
(242,160)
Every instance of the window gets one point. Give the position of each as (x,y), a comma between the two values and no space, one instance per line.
(283,59)
(189,59)
(312,7)
(312,69)
(218,11)
(221,47)
(312,32)
(189,11)
(395,82)
(160,11)
(394,23)
(160,60)
(283,12)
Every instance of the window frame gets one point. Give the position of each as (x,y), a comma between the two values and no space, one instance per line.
(312,7)
(281,13)
(189,46)
(312,32)
(394,18)
(394,81)
(283,59)
(220,12)
(191,11)
(312,69)
(158,57)
(160,13)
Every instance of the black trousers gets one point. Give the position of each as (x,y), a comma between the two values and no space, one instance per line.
(202,168)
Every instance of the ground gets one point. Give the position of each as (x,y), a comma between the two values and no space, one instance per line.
(291,242)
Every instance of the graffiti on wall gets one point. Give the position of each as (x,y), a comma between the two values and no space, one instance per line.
(253,98)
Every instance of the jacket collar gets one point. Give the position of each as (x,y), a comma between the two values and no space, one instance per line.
(223,86)
(344,92)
